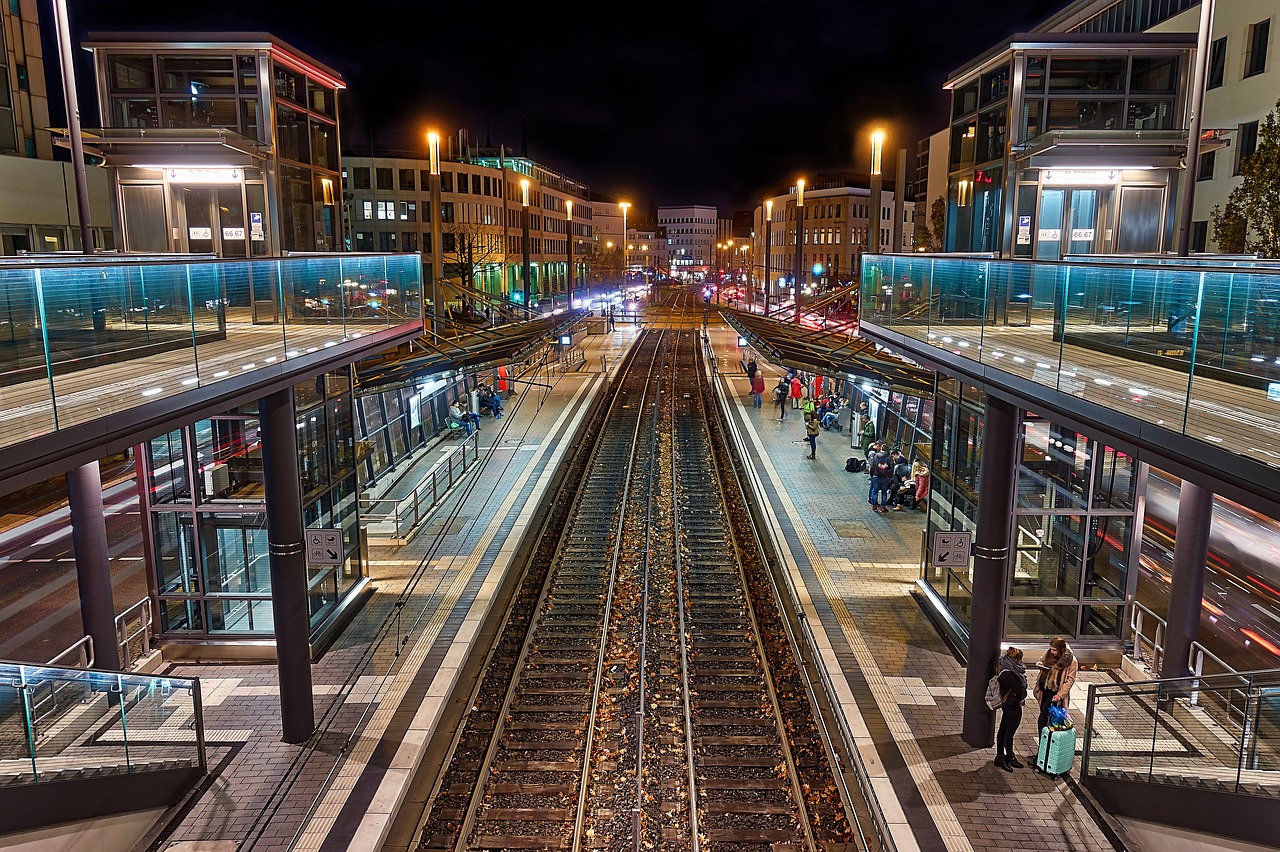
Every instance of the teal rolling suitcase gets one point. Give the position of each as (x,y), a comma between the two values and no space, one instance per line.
(1057,752)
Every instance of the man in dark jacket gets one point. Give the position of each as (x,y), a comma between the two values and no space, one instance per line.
(881,469)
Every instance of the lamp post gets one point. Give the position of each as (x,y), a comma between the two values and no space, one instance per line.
(568,252)
(623,205)
(768,239)
(877,179)
(728,264)
(437,265)
(798,266)
(529,296)
(1200,73)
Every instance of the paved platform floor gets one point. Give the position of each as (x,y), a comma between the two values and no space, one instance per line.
(381,689)
(901,687)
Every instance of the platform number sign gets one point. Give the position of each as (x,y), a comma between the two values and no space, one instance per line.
(324,546)
(951,548)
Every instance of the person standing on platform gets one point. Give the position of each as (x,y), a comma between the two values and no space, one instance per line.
(752,369)
(780,397)
(811,433)
(797,392)
(881,469)
(757,389)
(1058,670)
(920,475)
(867,439)
(1011,677)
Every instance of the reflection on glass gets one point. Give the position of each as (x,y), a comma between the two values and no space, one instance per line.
(1026,620)
(1048,555)
(1106,564)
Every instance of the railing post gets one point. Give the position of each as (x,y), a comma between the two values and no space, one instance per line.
(197,706)
(1090,701)
(1196,664)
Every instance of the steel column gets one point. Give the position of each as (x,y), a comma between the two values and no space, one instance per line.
(990,566)
(288,565)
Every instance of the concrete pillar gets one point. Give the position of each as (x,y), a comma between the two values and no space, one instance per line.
(1186,588)
(288,565)
(990,566)
(93,567)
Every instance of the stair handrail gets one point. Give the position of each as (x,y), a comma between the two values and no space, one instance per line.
(1247,683)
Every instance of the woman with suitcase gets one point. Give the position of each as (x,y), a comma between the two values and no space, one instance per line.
(1058,670)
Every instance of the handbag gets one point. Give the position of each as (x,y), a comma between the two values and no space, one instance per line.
(1059,718)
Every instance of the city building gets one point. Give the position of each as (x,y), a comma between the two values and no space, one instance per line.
(692,234)
(245,162)
(388,208)
(38,209)
(1022,180)
(24,97)
(835,234)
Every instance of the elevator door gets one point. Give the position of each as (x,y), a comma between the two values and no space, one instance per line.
(215,221)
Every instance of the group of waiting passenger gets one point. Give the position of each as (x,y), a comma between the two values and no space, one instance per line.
(487,402)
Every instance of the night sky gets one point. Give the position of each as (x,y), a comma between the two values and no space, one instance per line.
(709,102)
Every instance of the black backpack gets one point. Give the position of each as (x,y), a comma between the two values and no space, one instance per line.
(881,466)
(854,465)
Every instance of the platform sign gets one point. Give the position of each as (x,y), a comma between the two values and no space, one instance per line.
(951,548)
(324,546)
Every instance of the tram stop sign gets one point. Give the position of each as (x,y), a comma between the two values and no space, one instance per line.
(324,546)
(951,548)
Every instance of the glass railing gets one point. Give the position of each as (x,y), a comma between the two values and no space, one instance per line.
(58,724)
(1193,348)
(1220,732)
(83,338)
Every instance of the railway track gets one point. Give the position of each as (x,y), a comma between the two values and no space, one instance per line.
(640,697)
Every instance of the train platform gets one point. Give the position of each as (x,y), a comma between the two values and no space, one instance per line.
(384,687)
(898,684)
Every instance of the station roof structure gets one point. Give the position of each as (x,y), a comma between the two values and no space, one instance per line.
(474,349)
(830,352)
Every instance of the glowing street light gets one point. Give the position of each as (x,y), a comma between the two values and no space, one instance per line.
(530,298)
(624,205)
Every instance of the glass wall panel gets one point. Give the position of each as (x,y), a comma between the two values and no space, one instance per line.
(1115,479)
(1038,620)
(1048,555)
(175,562)
(1106,566)
(168,477)
(1054,473)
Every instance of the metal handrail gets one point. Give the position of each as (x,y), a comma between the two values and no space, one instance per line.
(125,638)
(1247,749)
(409,511)
(81,649)
(1138,617)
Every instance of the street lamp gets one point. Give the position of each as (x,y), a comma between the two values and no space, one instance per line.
(568,251)
(768,240)
(529,295)
(624,205)
(877,179)
(433,156)
(798,267)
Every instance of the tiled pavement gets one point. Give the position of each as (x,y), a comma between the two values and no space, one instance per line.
(854,569)
(382,686)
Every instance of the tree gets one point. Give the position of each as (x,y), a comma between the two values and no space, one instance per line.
(931,235)
(469,247)
(1250,222)
(604,262)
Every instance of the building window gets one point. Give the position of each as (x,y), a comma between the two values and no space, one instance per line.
(1199,235)
(386,210)
(1255,60)
(1247,137)
(366,210)
(446,181)
(1206,165)
(408,211)
(1217,63)
(384,179)
(406,178)
(360,178)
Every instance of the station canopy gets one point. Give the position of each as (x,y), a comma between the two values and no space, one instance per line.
(830,353)
(469,349)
